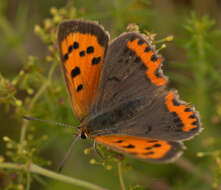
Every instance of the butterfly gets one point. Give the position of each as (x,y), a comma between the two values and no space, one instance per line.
(118,93)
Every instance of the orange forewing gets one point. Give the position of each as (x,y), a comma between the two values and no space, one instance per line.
(143,148)
(89,76)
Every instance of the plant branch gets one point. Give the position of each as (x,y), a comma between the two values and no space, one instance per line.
(31,167)
(34,100)
(191,168)
(121,176)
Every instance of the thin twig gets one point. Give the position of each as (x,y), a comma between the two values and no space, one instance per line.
(121,176)
(30,167)
(28,181)
(191,168)
(33,101)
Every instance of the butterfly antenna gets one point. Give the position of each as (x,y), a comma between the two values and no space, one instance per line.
(50,122)
(68,153)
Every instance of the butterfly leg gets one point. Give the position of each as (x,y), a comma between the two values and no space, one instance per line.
(97,151)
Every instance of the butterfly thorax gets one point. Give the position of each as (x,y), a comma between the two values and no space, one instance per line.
(107,121)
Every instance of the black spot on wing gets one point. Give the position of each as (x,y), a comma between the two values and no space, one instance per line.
(196,123)
(175,102)
(147,49)
(119,141)
(75,45)
(76,71)
(157,72)
(192,116)
(148,148)
(66,57)
(70,49)
(177,120)
(80,87)
(154,58)
(194,129)
(96,60)
(140,42)
(90,49)
(82,53)
(129,146)
(157,145)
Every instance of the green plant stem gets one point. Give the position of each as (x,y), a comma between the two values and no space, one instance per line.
(120,176)
(33,101)
(9,32)
(192,169)
(28,181)
(201,66)
(31,167)
(5,26)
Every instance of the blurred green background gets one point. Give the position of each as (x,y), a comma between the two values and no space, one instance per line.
(192,62)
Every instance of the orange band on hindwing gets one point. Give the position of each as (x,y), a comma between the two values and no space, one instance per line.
(185,113)
(143,148)
(83,58)
(150,60)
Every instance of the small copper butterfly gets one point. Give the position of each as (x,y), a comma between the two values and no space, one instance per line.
(118,93)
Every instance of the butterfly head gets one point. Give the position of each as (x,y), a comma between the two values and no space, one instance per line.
(82,131)
(83,135)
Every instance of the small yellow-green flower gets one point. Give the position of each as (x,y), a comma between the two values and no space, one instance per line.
(92,161)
